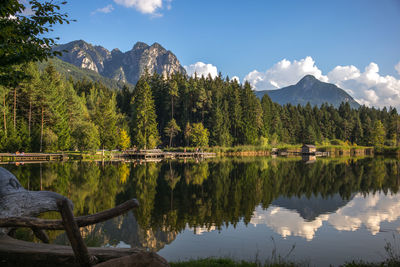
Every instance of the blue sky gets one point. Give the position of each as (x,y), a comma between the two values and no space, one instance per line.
(239,37)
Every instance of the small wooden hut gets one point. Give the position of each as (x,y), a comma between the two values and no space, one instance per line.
(308,149)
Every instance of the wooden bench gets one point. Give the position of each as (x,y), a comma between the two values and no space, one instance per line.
(19,208)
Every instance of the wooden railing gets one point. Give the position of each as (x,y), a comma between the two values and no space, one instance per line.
(70,224)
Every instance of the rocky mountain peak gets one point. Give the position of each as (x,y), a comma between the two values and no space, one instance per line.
(80,43)
(116,51)
(157,46)
(125,67)
(140,46)
(308,81)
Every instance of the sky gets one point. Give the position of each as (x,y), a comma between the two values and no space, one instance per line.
(353,44)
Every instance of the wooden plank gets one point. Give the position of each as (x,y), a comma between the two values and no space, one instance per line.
(74,236)
(39,233)
(15,252)
(81,221)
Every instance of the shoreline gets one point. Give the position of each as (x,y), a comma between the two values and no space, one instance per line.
(239,151)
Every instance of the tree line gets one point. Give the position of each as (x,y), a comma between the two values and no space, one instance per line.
(49,112)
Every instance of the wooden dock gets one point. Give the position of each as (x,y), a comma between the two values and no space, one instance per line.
(159,154)
(31,157)
(299,153)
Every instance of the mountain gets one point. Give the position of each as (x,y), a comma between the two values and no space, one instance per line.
(309,89)
(119,66)
(71,71)
(124,232)
(311,207)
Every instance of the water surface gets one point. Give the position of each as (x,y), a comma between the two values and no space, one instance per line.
(323,212)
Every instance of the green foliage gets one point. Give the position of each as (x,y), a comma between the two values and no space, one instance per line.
(50,140)
(310,135)
(172,130)
(50,115)
(163,111)
(378,134)
(145,132)
(251,115)
(337,142)
(101,104)
(124,141)
(263,141)
(77,74)
(86,136)
(22,36)
(199,135)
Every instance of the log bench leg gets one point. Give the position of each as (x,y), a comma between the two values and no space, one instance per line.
(74,236)
(12,232)
(39,233)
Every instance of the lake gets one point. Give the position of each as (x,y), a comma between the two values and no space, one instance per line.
(324,211)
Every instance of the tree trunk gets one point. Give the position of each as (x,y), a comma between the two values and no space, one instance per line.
(15,108)
(172,109)
(4,115)
(29,117)
(41,131)
(170,140)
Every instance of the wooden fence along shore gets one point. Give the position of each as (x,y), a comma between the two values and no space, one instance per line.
(32,157)
(158,154)
(147,155)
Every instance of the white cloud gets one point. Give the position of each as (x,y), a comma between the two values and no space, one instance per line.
(144,6)
(106,9)
(235,78)
(368,87)
(397,67)
(284,73)
(343,73)
(201,69)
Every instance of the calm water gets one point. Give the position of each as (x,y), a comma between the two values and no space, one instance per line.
(324,212)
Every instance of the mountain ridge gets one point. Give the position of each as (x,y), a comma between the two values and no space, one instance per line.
(121,66)
(310,90)
(78,74)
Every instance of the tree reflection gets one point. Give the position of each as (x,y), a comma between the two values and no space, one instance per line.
(212,193)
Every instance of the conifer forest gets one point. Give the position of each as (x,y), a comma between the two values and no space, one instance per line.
(48,111)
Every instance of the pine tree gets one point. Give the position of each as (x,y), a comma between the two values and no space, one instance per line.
(124,142)
(102,106)
(378,134)
(235,112)
(251,115)
(266,105)
(173,93)
(199,135)
(145,133)
(172,130)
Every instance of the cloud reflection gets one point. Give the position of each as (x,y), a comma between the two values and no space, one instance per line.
(369,211)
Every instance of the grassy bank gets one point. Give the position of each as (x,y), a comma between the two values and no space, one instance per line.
(335,150)
(251,150)
(212,262)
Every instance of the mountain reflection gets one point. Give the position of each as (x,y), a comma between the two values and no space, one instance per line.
(288,195)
